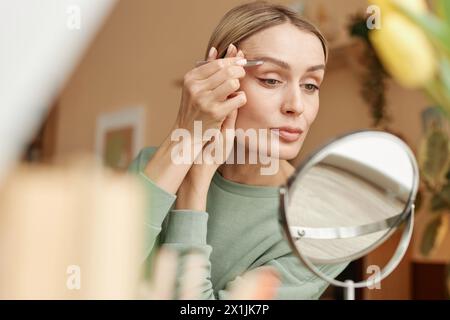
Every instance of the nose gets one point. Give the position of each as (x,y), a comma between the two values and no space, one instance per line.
(293,102)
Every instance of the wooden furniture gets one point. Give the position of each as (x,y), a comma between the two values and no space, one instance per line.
(430,279)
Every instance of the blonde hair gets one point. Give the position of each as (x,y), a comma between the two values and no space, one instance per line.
(245,20)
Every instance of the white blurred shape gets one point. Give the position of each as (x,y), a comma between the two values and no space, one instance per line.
(39,47)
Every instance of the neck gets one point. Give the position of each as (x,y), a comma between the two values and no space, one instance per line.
(251,174)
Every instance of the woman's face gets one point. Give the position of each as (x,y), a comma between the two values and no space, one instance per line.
(283,91)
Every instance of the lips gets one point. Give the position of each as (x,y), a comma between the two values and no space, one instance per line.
(288,134)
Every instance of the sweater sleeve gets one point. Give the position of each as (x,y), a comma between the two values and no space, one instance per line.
(187,230)
(158,201)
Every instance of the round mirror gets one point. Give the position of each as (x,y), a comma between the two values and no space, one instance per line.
(348,198)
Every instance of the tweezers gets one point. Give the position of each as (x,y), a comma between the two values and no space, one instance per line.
(250,63)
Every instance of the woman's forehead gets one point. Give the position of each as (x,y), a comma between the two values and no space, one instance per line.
(300,47)
(301,59)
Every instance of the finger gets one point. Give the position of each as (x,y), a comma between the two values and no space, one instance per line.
(230,120)
(231,104)
(240,54)
(222,92)
(227,73)
(212,55)
(203,72)
(228,139)
(208,69)
(231,51)
(232,72)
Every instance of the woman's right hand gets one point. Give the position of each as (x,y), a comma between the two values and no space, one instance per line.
(210,91)
(209,95)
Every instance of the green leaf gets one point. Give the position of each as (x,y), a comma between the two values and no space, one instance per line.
(444,75)
(438,30)
(442,8)
(437,92)
(441,201)
(430,235)
(358,27)
(434,157)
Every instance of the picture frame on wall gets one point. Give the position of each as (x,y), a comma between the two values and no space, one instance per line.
(120,136)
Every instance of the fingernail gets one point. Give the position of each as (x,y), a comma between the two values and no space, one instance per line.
(211,52)
(229,48)
(241,62)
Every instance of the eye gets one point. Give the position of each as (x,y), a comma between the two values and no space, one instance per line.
(270,82)
(310,88)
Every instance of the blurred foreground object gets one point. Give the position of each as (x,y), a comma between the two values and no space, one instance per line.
(40,43)
(70,232)
(257,284)
(75,231)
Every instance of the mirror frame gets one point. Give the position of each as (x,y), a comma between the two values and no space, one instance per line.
(407,214)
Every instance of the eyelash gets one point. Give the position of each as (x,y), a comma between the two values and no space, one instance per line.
(314,87)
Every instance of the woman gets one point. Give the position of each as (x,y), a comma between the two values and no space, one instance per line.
(228,211)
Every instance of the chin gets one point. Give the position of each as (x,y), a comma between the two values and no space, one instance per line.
(289,151)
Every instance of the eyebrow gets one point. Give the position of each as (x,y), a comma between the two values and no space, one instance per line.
(286,65)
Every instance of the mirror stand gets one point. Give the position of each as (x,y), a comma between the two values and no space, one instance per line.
(350,286)
(349,290)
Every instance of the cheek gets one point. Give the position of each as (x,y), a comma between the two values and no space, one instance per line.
(311,110)
(260,105)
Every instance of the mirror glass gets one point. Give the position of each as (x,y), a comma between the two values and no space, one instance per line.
(348,197)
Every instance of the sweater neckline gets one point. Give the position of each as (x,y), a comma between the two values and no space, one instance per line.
(245,189)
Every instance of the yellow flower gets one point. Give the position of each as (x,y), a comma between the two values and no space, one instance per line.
(387,6)
(404,50)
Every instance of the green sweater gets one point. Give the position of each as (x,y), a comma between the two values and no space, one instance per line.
(239,231)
